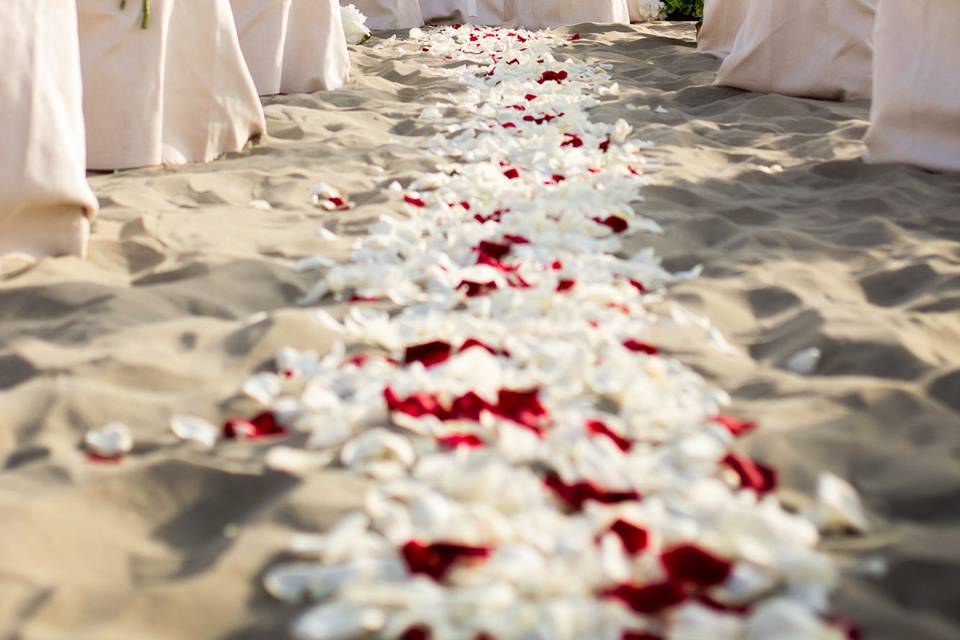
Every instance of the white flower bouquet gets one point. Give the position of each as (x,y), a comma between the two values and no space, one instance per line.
(354,25)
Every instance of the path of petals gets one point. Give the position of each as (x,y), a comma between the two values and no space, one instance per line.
(540,469)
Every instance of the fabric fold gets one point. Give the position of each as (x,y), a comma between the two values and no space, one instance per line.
(722,20)
(813,49)
(175,92)
(46,205)
(915,116)
(293,46)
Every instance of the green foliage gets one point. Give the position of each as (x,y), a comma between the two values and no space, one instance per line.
(689,8)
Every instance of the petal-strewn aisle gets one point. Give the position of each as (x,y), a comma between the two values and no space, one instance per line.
(195,281)
(548,472)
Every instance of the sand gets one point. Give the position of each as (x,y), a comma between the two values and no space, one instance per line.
(190,290)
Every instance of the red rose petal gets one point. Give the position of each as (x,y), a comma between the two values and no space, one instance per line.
(640,347)
(579,493)
(639,635)
(418,632)
(530,97)
(615,223)
(605,145)
(415,406)
(457,440)
(493,250)
(474,289)
(573,140)
(634,538)
(471,343)
(566,284)
(599,428)
(553,76)
(649,599)
(752,474)
(512,174)
(436,560)
(734,425)
(469,406)
(521,407)
(416,202)
(428,354)
(690,564)
(636,284)
(263,425)
(716,605)
(574,37)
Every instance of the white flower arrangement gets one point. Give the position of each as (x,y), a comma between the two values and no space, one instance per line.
(648,9)
(354,24)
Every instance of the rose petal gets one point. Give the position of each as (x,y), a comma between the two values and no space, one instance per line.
(690,564)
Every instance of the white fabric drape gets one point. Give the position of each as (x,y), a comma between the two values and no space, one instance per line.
(722,20)
(536,14)
(814,48)
(45,202)
(915,116)
(293,46)
(385,15)
(530,14)
(178,91)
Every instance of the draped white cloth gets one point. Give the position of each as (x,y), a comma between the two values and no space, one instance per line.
(383,15)
(543,14)
(722,20)
(915,116)
(178,91)
(809,48)
(530,14)
(45,202)
(293,46)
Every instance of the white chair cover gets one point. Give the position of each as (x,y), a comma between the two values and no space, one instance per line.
(809,48)
(484,12)
(175,92)
(722,20)
(547,14)
(530,14)
(916,93)
(383,15)
(293,46)
(45,202)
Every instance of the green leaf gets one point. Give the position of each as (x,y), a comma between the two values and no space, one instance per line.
(688,8)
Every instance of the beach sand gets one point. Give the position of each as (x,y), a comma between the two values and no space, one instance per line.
(189,290)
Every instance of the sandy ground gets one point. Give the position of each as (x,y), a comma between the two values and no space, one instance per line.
(190,290)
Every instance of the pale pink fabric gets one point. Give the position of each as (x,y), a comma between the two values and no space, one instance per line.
(916,95)
(178,91)
(530,14)
(293,46)
(722,20)
(809,48)
(45,202)
(383,15)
